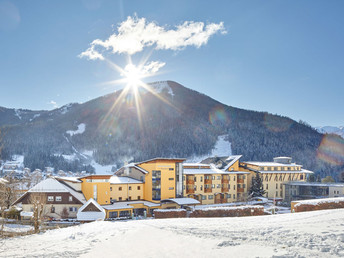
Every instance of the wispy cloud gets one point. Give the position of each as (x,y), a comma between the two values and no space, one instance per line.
(135,34)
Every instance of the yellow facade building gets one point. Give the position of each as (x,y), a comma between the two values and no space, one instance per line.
(275,174)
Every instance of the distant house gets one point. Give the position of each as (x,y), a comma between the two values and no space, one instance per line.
(312,190)
(60,199)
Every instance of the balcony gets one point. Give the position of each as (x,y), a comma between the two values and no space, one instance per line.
(190,182)
(224,189)
(225,181)
(207,181)
(190,191)
(241,190)
(240,181)
(207,190)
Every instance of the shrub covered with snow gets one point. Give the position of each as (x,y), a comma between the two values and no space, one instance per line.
(169,213)
(317,204)
(228,211)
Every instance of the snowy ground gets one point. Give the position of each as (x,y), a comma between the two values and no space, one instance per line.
(17,228)
(308,234)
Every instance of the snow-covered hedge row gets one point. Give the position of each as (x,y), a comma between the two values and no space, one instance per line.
(228,211)
(169,213)
(317,204)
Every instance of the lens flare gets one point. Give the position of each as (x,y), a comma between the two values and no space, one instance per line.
(277,124)
(218,115)
(331,149)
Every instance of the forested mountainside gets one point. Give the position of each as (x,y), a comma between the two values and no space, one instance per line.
(173,122)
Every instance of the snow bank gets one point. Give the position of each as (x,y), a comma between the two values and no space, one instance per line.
(17,228)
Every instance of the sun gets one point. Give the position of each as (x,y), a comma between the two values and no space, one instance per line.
(132,76)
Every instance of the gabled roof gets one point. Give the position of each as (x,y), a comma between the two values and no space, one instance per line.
(91,215)
(51,185)
(69,179)
(231,160)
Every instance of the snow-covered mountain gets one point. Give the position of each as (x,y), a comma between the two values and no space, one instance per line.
(171,121)
(339,130)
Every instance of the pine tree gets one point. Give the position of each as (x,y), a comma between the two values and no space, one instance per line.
(256,189)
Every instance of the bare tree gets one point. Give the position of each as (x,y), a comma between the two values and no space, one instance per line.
(38,201)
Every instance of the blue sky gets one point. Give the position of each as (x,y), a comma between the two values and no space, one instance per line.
(283,57)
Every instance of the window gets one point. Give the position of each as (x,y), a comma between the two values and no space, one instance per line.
(120,198)
(267,186)
(228,196)
(239,186)
(234,187)
(201,178)
(70,198)
(233,196)
(204,197)
(244,177)
(218,177)
(110,188)
(195,187)
(52,209)
(139,197)
(172,188)
(243,186)
(183,187)
(58,198)
(129,198)
(266,178)
(234,178)
(72,209)
(171,178)
(129,187)
(301,177)
(218,186)
(213,186)
(195,179)
(120,188)
(201,188)
(276,186)
(50,198)
(170,169)
(184,178)
(210,197)
(229,178)
(213,177)
(138,187)
(113,214)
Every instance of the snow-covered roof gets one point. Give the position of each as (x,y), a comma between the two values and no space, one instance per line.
(286,171)
(124,180)
(195,165)
(314,184)
(232,159)
(271,164)
(69,178)
(159,158)
(182,201)
(134,165)
(145,203)
(51,185)
(3,181)
(91,215)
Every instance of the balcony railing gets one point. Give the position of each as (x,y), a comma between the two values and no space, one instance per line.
(190,182)
(241,190)
(224,189)
(240,181)
(207,190)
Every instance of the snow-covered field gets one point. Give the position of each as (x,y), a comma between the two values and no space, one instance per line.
(308,234)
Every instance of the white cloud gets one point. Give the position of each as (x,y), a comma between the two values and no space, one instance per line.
(134,34)
(52,102)
(152,68)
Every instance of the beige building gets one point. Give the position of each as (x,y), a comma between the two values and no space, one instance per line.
(275,174)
